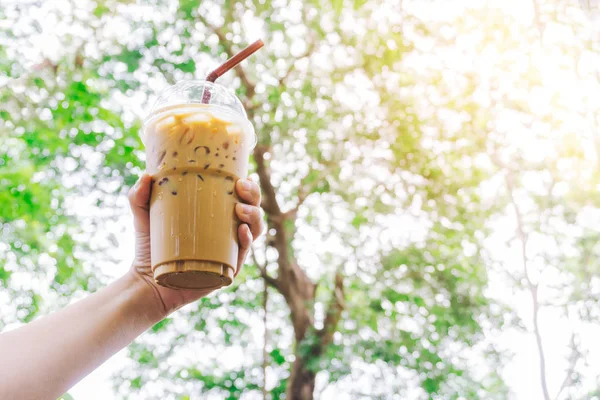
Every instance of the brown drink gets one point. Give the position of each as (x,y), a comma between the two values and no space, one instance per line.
(195,154)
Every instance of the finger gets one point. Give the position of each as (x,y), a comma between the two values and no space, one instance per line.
(245,240)
(251,216)
(139,201)
(248,191)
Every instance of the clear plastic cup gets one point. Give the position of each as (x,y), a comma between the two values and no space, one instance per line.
(195,152)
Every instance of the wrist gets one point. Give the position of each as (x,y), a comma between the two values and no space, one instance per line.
(146,296)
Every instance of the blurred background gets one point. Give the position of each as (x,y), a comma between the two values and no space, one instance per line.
(430,173)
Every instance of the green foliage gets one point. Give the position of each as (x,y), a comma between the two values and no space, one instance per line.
(277,357)
(305,110)
(188,66)
(100,10)
(187,7)
(136,383)
(234,383)
(161,325)
(365,140)
(31,308)
(4,275)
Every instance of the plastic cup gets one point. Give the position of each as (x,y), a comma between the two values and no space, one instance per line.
(195,152)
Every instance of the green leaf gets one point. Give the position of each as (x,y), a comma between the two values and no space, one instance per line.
(277,357)
(431,385)
(188,66)
(146,357)
(337,6)
(187,8)
(136,383)
(274,95)
(323,187)
(358,220)
(161,325)
(39,82)
(100,9)
(33,307)
(358,4)
(130,57)
(4,276)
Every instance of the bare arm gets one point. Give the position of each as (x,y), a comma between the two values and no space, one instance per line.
(43,359)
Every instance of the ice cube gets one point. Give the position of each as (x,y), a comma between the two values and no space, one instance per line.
(234,129)
(197,118)
(165,124)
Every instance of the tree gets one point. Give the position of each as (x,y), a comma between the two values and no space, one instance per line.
(375,169)
(288,108)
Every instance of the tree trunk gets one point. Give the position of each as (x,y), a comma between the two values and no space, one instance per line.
(301,385)
(265,341)
(291,280)
(297,289)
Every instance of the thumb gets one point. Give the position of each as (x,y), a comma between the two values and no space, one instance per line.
(139,201)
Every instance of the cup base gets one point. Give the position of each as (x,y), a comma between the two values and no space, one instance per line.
(192,274)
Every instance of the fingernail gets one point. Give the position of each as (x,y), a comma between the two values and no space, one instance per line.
(246,209)
(245,184)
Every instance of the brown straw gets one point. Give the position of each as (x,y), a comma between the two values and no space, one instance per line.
(229,64)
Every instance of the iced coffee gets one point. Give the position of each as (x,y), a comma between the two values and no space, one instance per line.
(195,153)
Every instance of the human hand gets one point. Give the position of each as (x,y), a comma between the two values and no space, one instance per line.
(169,300)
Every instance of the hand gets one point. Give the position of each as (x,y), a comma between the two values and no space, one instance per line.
(169,300)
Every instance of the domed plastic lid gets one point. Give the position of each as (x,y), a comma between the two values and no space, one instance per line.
(199,92)
(220,101)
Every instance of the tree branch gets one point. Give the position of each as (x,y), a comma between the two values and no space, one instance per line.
(241,73)
(263,272)
(265,393)
(303,192)
(574,356)
(538,21)
(269,203)
(309,50)
(533,288)
(334,311)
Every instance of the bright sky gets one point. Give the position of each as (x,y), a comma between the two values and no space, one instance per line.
(576,94)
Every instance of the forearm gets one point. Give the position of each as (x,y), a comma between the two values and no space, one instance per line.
(44,359)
